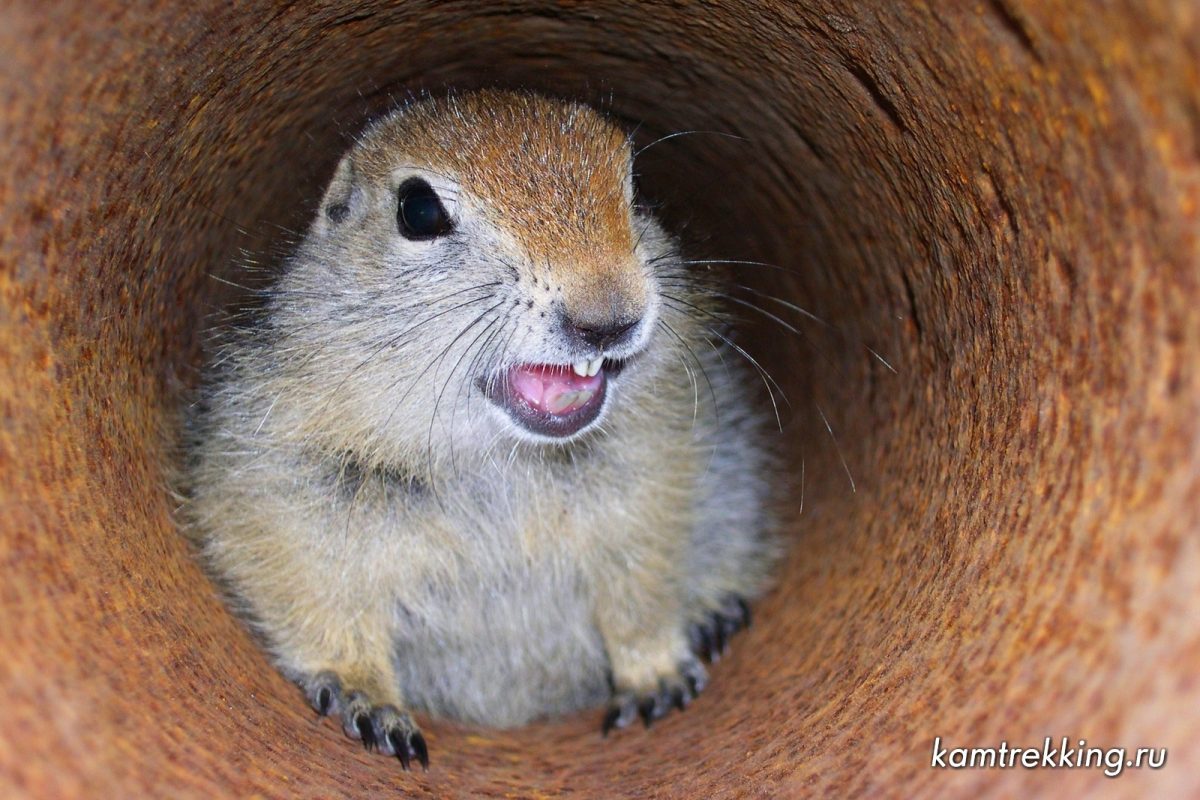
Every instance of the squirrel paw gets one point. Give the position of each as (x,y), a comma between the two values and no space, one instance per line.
(385,728)
(673,691)
(710,637)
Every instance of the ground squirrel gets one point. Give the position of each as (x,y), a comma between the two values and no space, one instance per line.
(489,453)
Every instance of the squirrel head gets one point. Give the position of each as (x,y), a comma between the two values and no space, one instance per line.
(478,271)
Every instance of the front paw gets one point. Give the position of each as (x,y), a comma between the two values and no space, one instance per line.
(382,727)
(676,689)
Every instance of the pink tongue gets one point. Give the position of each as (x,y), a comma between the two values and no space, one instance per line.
(552,389)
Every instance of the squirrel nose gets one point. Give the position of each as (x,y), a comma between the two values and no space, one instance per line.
(602,335)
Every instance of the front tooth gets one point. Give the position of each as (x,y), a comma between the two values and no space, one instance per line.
(581,368)
(594,367)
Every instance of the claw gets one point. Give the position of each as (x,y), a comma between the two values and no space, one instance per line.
(610,720)
(399,747)
(694,675)
(324,693)
(745,609)
(420,749)
(407,744)
(363,723)
(679,699)
(719,640)
(710,639)
(647,710)
(706,643)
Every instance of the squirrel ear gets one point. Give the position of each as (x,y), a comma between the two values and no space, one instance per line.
(342,200)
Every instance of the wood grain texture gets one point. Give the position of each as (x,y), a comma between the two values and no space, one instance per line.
(1001,198)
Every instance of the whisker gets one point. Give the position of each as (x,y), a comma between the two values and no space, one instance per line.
(837,447)
(396,339)
(808,314)
(677,134)
(881,359)
(711,287)
(494,329)
(641,236)
(695,388)
(436,359)
(790,328)
(763,374)
(689,262)
(502,362)
(437,403)
(804,312)
(664,325)
(800,510)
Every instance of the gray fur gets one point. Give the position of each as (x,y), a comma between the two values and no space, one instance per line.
(376,518)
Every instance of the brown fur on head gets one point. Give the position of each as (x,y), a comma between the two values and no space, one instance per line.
(555,176)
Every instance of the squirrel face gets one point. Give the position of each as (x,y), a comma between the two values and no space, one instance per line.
(477,253)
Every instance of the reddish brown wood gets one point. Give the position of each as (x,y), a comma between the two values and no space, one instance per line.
(1001,198)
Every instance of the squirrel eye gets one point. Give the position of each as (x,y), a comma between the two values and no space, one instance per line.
(420,214)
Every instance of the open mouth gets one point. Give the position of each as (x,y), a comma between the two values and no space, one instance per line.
(554,400)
